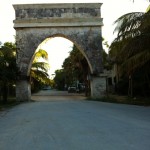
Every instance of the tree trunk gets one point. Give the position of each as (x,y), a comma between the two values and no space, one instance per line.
(0,93)
(4,93)
(130,88)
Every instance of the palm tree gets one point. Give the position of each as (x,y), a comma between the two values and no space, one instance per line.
(39,69)
(131,49)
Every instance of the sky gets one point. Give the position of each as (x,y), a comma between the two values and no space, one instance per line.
(110,11)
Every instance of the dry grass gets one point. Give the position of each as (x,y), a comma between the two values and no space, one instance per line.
(11,103)
(122,99)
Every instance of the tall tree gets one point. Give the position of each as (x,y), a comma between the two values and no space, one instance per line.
(60,79)
(7,67)
(74,69)
(131,48)
(76,66)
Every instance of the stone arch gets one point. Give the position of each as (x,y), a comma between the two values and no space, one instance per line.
(80,23)
(80,47)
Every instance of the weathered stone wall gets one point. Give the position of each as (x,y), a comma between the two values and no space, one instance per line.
(47,15)
(98,86)
(23,90)
(41,11)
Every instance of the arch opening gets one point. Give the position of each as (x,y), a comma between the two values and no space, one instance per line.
(66,40)
(60,49)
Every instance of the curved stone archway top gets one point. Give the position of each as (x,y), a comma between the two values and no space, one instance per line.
(79,22)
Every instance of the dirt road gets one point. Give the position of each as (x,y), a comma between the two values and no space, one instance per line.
(71,124)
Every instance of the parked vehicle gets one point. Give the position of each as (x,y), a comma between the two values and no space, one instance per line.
(46,88)
(71,89)
(80,88)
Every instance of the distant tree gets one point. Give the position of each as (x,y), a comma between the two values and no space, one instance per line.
(76,67)
(59,79)
(74,70)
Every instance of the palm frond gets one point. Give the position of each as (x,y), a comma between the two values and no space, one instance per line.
(39,75)
(131,47)
(148,9)
(41,54)
(41,65)
(135,45)
(136,61)
(145,21)
(128,22)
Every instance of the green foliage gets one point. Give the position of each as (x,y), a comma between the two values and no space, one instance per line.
(11,103)
(60,78)
(40,54)
(75,68)
(107,65)
(8,68)
(123,100)
(131,49)
(38,72)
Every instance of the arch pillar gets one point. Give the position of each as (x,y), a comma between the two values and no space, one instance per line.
(23,89)
(98,86)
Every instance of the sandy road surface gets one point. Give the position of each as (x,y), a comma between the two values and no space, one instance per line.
(53,95)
